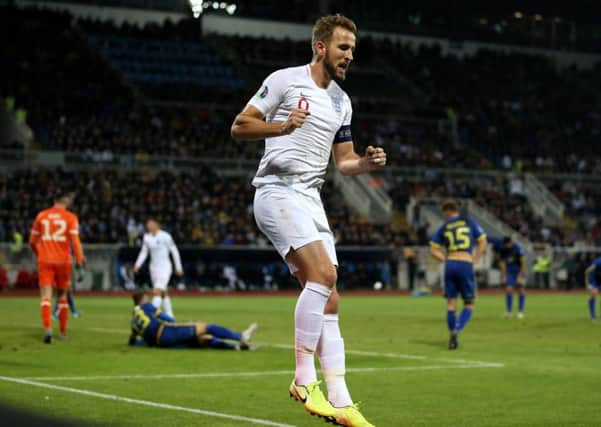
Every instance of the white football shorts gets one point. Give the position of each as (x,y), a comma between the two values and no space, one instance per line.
(160,278)
(291,219)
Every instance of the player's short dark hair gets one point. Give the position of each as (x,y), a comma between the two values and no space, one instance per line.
(449,205)
(324,28)
(138,296)
(506,240)
(62,195)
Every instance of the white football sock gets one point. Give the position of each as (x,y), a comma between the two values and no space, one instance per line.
(330,351)
(308,321)
(156,301)
(167,305)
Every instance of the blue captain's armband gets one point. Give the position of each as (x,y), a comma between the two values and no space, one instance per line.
(343,135)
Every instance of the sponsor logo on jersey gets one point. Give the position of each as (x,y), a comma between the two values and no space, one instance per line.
(263,92)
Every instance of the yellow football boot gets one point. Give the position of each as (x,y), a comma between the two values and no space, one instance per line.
(350,416)
(313,399)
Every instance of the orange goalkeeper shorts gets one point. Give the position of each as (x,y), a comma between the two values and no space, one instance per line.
(55,275)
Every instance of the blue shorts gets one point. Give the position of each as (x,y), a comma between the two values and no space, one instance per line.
(178,335)
(591,282)
(459,279)
(512,278)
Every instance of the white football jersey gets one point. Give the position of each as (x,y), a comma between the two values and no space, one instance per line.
(304,154)
(159,246)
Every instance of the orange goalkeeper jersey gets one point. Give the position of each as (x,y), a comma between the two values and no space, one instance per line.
(54,231)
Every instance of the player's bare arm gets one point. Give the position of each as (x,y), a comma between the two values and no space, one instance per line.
(522,270)
(250,126)
(438,253)
(480,250)
(348,162)
(503,269)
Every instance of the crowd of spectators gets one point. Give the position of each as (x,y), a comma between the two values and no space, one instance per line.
(503,195)
(200,208)
(112,206)
(506,111)
(437,111)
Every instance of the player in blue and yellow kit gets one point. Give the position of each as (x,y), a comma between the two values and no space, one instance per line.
(512,262)
(152,327)
(453,244)
(593,283)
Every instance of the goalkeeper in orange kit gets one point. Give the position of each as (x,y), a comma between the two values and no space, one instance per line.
(54,234)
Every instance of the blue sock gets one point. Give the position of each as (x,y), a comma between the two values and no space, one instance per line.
(509,301)
(591,307)
(223,333)
(217,343)
(464,317)
(71,302)
(451,320)
(521,302)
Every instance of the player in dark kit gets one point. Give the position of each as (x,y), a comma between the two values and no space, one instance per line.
(152,327)
(593,283)
(512,262)
(453,244)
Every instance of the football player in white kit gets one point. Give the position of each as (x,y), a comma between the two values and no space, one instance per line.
(159,244)
(304,115)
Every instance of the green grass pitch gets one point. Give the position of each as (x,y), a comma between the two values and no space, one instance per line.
(543,370)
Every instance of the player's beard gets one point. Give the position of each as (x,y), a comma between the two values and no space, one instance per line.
(331,70)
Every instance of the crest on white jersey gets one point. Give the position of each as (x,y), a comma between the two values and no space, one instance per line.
(336,103)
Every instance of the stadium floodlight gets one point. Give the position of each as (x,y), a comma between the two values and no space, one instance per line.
(200,6)
(518,15)
(197,7)
(231,8)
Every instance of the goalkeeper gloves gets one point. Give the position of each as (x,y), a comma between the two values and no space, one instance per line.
(80,272)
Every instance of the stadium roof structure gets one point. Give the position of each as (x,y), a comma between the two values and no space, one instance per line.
(557,25)
(582,11)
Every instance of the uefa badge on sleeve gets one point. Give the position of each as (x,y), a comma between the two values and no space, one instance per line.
(263,92)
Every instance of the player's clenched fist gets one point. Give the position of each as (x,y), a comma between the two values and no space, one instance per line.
(296,118)
(376,156)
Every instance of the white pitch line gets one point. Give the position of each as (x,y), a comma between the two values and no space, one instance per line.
(252,373)
(146,402)
(404,356)
(360,352)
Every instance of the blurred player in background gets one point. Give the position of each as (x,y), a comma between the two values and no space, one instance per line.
(512,262)
(458,236)
(152,327)
(304,116)
(70,301)
(593,283)
(159,244)
(54,233)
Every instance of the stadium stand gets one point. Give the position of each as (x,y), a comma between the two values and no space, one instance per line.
(101,95)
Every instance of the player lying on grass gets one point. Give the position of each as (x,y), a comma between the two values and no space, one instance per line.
(152,327)
(593,283)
